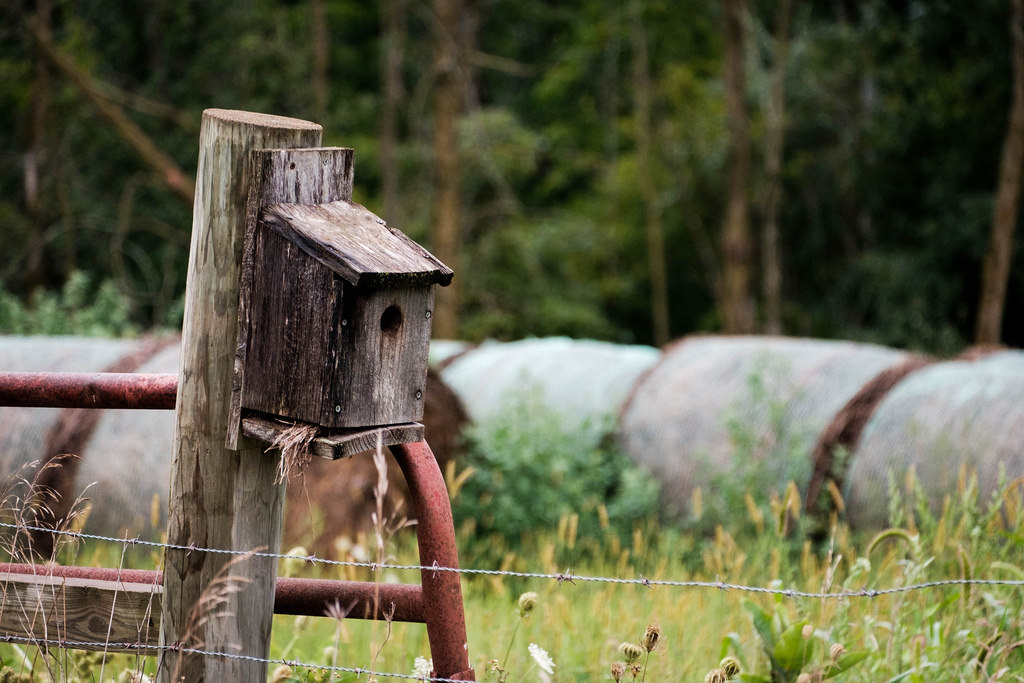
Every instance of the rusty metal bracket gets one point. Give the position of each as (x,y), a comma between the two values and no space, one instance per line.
(435,532)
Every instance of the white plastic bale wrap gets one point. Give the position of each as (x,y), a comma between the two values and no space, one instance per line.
(582,383)
(130,485)
(23,431)
(938,421)
(686,414)
(444,350)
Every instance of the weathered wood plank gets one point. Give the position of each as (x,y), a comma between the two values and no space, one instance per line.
(337,444)
(222,498)
(292,176)
(285,369)
(381,362)
(366,251)
(120,617)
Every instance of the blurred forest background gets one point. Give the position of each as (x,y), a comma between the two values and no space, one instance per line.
(629,170)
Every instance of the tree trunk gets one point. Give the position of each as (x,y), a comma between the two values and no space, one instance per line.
(447,207)
(775,119)
(321,55)
(649,193)
(394,49)
(34,156)
(609,85)
(736,304)
(168,171)
(996,268)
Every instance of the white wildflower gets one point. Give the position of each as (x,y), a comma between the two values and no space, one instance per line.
(422,667)
(542,658)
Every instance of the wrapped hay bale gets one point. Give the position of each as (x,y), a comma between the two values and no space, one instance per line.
(962,415)
(743,407)
(23,431)
(443,351)
(126,463)
(830,456)
(582,383)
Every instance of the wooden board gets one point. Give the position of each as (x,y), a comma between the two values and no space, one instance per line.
(293,176)
(284,366)
(121,617)
(334,444)
(380,370)
(357,245)
(221,497)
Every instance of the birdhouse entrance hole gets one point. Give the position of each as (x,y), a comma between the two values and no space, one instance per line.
(391,319)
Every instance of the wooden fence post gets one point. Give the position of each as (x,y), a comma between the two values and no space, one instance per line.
(220,498)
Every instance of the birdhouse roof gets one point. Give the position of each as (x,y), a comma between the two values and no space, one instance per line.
(356,244)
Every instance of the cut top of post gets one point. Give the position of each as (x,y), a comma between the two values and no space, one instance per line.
(255,119)
(356,244)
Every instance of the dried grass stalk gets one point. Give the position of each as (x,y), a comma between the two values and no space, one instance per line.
(295,444)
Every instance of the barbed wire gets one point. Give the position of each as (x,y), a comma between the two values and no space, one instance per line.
(148,650)
(561,577)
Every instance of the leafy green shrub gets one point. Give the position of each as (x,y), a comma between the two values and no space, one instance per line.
(795,648)
(82,307)
(528,474)
(769,466)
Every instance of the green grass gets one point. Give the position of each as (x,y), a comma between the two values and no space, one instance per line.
(949,633)
(942,634)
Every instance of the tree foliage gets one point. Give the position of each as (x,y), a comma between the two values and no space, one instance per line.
(895,115)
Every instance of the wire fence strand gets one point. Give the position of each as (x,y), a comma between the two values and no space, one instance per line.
(294,663)
(561,577)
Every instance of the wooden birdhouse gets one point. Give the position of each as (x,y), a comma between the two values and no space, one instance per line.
(334,320)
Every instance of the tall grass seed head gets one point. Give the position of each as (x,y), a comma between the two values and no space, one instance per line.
(731,666)
(650,638)
(835,652)
(281,673)
(7,674)
(294,562)
(526,604)
(631,651)
(618,671)
(716,676)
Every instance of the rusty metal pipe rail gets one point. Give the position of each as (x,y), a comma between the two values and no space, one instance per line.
(295,596)
(88,390)
(436,602)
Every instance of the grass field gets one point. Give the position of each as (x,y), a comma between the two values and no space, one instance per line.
(950,633)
